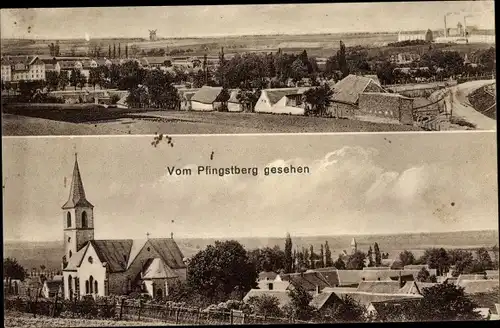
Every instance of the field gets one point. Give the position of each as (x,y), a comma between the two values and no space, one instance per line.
(22,122)
(24,320)
(31,254)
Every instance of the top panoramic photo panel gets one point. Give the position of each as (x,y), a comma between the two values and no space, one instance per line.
(301,68)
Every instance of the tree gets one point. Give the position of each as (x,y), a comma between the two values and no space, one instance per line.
(223,98)
(356,261)
(312,257)
(446,302)
(406,258)
(95,77)
(52,80)
(342,60)
(220,269)
(126,51)
(423,275)
(114,50)
(321,263)
(347,310)
(462,260)
(436,258)
(370,257)
(298,70)
(305,251)
(52,49)
(328,255)
(138,97)
(378,256)
(484,259)
(299,304)
(319,99)
(288,254)
(428,36)
(119,50)
(385,73)
(267,259)
(265,305)
(13,270)
(339,264)
(161,92)
(75,78)
(109,51)
(63,80)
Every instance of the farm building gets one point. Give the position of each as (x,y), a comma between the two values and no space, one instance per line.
(113,267)
(281,101)
(389,106)
(346,95)
(233,104)
(53,287)
(205,99)
(185,96)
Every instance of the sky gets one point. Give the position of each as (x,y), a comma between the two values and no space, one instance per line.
(189,21)
(361,183)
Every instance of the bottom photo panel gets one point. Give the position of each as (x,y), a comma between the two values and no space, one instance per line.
(161,230)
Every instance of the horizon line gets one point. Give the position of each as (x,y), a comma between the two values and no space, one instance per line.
(281,237)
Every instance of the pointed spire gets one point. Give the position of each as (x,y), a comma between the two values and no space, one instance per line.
(353,242)
(76,193)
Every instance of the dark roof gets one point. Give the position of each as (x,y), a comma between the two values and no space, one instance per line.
(389,287)
(207,95)
(283,296)
(380,306)
(114,252)
(321,299)
(76,193)
(13,60)
(478,286)
(348,89)
(169,252)
(307,280)
(275,95)
(366,298)
(53,285)
(487,300)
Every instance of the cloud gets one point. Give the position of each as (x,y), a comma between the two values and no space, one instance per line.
(346,190)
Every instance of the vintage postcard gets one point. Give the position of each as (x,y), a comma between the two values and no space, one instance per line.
(340,67)
(214,230)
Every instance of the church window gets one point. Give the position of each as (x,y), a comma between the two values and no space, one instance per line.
(149,249)
(70,287)
(68,219)
(91,259)
(86,287)
(70,253)
(91,283)
(84,220)
(95,287)
(69,239)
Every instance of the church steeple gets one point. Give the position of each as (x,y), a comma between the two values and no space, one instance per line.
(76,192)
(78,217)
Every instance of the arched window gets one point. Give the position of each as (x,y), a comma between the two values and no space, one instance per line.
(70,253)
(95,287)
(68,219)
(70,287)
(91,283)
(159,293)
(84,220)
(87,287)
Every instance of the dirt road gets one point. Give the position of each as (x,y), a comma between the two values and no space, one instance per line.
(462,107)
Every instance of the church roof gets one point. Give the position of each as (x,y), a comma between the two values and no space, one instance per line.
(156,269)
(114,252)
(75,260)
(76,193)
(169,252)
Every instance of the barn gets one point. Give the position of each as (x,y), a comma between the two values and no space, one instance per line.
(390,106)
(281,101)
(205,99)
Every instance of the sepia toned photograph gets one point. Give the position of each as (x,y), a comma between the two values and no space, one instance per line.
(102,231)
(285,68)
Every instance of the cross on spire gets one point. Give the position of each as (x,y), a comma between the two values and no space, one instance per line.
(147,235)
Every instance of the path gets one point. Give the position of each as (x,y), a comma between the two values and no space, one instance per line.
(462,107)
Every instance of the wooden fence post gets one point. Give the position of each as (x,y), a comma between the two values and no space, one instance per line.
(55,306)
(198,316)
(35,305)
(121,308)
(140,309)
(244,317)
(177,315)
(231,317)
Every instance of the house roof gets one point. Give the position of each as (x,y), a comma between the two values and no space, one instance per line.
(365,298)
(275,95)
(478,286)
(307,280)
(470,277)
(67,64)
(348,89)
(137,246)
(389,287)
(114,252)
(50,67)
(76,192)
(169,252)
(321,299)
(157,60)
(156,269)
(207,95)
(380,306)
(422,285)
(75,260)
(267,275)
(13,60)
(283,296)
(387,94)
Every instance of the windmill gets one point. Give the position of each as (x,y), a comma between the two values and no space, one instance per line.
(152,35)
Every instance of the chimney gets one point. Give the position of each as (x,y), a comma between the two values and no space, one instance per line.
(171,235)
(317,289)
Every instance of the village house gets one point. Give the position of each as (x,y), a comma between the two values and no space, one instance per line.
(233,104)
(206,99)
(281,101)
(26,68)
(390,107)
(113,267)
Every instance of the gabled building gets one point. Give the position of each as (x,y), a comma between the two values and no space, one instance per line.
(26,68)
(206,99)
(117,266)
(281,101)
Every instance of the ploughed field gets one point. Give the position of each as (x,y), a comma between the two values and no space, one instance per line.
(93,120)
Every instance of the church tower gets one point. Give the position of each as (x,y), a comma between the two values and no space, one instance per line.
(354,246)
(78,217)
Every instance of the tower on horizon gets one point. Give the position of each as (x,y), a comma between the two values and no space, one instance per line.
(354,246)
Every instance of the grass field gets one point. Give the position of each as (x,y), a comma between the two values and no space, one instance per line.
(175,122)
(24,320)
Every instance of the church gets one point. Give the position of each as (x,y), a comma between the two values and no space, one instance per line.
(113,266)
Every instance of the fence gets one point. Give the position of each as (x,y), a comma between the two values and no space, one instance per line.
(125,310)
